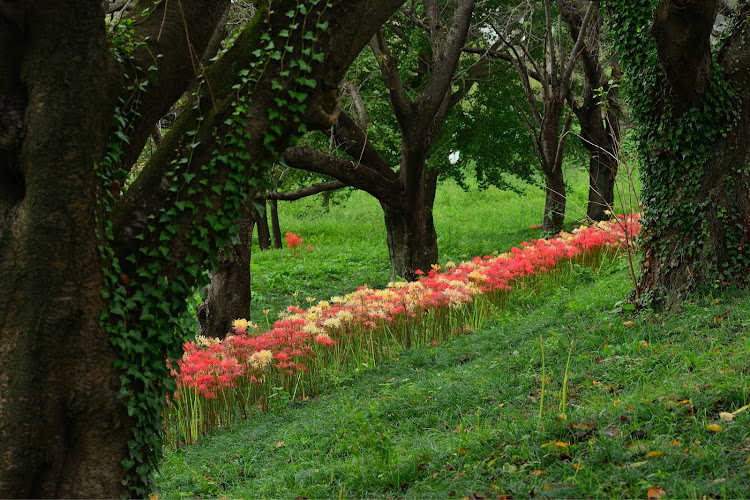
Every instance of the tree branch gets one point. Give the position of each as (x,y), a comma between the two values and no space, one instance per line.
(136,217)
(357,175)
(353,141)
(297,194)
(402,106)
(434,93)
(175,35)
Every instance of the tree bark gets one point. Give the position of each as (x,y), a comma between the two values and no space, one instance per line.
(273,211)
(229,294)
(599,121)
(261,219)
(63,430)
(696,187)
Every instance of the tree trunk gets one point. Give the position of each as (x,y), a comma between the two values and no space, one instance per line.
(554,203)
(411,235)
(602,174)
(412,242)
(228,296)
(261,218)
(273,208)
(63,428)
(552,144)
(696,223)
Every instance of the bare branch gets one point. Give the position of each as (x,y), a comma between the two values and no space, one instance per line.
(402,106)
(318,187)
(357,175)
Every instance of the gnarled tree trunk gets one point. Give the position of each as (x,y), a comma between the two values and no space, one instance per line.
(696,169)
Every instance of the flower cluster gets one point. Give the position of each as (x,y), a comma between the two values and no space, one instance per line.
(367,324)
(293,240)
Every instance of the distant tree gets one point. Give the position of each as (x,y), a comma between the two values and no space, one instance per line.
(541,52)
(424,78)
(597,108)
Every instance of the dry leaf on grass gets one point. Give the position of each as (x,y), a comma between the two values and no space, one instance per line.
(655,493)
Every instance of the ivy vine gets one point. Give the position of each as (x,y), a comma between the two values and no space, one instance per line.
(674,144)
(143,314)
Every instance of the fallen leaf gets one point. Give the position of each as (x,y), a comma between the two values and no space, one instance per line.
(578,466)
(675,442)
(655,493)
(725,416)
(538,472)
(628,323)
(560,444)
(612,431)
(638,446)
(748,460)
(279,444)
(463,451)
(654,454)
(635,464)
(714,427)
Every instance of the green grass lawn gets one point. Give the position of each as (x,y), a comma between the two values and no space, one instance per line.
(462,419)
(349,241)
(480,416)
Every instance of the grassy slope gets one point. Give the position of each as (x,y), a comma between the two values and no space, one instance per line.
(463,417)
(350,241)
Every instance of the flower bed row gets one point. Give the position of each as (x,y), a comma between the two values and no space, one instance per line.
(219,381)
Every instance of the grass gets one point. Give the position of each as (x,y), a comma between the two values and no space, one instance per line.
(463,418)
(480,416)
(349,240)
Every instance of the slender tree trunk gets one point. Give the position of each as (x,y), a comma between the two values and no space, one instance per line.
(273,208)
(554,204)
(552,145)
(261,218)
(228,296)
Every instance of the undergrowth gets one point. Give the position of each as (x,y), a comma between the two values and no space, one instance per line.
(642,401)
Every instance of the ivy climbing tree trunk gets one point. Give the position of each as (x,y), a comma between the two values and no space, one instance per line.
(693,117)
(93,279)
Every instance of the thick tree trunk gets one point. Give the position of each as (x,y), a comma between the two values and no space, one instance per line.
(410,229)
(412,242)
(229,294)
(273,209)
(63,429)
(696,185)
